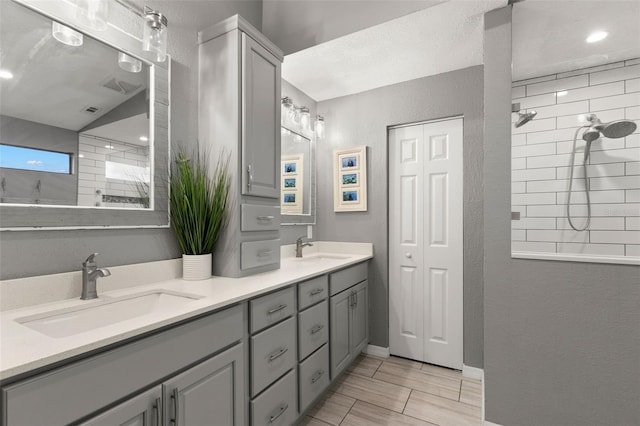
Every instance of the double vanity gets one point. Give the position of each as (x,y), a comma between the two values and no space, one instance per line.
(258,350)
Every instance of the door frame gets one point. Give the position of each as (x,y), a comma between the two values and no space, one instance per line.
(388,153)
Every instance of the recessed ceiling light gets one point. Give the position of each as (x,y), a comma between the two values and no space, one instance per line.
(562,93)
(597,36)
(144,138)
(6,74)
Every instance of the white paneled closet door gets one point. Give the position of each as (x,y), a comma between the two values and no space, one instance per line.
(425,242)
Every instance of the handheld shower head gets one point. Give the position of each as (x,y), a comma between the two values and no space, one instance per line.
(615,129)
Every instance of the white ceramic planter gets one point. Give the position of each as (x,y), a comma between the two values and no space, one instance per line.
(196,266)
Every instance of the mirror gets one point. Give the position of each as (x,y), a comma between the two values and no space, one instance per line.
(297,201)
(567,68)
(83,123)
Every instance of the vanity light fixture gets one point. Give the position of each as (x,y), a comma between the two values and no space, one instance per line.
(597,36)
(154,38)
(66,35)
(305,118)
(93,13)
(320,126)
(6,74)
(129,63)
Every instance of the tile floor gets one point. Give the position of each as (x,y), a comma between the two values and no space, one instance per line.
(398,391)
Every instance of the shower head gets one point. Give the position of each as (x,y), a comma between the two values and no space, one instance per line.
(524,118)
(614,129)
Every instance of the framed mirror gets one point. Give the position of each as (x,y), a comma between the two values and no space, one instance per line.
(298,192)
(84,122)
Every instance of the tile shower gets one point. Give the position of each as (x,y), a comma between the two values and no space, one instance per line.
(541,152)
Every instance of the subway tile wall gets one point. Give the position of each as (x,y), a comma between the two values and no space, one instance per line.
(541,153)
(92,183)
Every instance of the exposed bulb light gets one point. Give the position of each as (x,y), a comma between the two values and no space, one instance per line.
(144,139)
(154,38)
(129,63)
(6,74)
(93,13)
(562,93)
(66,35)
(305,118)
(320,126)
(597,36)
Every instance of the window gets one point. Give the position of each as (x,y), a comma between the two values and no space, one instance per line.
(39,160)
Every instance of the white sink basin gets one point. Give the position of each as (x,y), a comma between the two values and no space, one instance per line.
(320,257)
(107,311)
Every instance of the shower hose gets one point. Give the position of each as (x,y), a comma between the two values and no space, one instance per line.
(587,150)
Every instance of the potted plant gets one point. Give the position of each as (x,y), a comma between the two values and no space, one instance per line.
(198,210)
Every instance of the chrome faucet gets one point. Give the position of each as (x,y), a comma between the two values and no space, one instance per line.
(300,245)
(90,274)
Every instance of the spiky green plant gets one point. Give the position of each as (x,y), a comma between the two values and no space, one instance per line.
(199,201)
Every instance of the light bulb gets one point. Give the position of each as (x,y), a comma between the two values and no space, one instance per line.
(320,126)
(305,118)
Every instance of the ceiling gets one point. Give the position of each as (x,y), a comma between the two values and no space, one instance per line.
(549,35)
(548,38)
(441,38)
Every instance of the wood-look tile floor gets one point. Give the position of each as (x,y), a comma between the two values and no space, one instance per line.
(398,391)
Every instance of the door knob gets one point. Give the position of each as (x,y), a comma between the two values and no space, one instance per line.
(408,255)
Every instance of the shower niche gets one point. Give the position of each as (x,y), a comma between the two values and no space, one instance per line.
(575,145)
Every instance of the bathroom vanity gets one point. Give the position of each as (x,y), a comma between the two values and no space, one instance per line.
(257,350)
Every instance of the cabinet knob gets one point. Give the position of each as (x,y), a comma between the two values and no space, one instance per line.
(408,255)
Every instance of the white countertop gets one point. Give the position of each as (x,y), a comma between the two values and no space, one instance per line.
(23,349)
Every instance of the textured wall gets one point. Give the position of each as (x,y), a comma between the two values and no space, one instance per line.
(561,339)
(62,251)
(362,119)
(541,155)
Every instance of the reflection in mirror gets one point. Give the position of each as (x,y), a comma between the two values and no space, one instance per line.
(575,133)
(297,166)
(74,117)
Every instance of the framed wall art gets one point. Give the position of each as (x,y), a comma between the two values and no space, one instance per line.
(291,196)
(350,179)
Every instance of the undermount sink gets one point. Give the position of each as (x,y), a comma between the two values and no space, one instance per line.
(69,321)
(319,257)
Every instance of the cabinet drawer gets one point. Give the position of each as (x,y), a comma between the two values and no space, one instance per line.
(273,353)
(312,291)
(277,405)
(313,329)
(66,394)
(313,376)
(259,253)
(256,217)
(270,309)
(342,280)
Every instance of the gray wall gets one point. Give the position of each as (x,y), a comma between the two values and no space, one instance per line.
(562,339)
(362,119)
(62,251)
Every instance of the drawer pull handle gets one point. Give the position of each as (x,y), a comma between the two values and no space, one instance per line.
(269,218)
(279,308)
(156,409)
(277,354)
(316,291)
(317,376)
(176,406)
(281,411)
(317,328)
(265,253)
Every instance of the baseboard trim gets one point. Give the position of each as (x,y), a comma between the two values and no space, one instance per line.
(488,423)
(377,351)
(473,372)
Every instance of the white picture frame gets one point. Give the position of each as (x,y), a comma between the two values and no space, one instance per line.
(350,179)
(292,188)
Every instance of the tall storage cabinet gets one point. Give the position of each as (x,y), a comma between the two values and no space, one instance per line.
(239,116)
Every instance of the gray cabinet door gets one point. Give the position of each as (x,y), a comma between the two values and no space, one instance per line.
(261,73)
(211,393)
(359,311)
(142,410)
(340,313)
